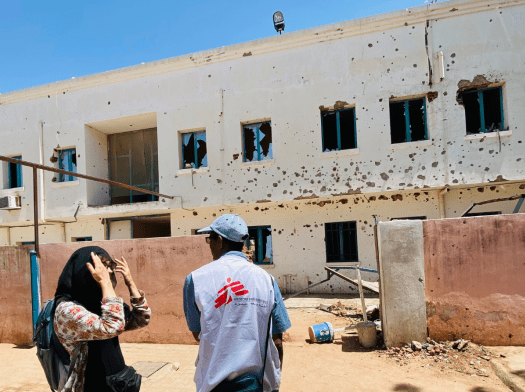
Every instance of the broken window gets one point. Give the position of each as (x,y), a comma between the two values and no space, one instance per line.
(260,243)
(341,242)
(67,160)
(194,153)
(81,239)
(133,160)
(483,110)
(14,172)
(257,140)
(408,121)
(339,130)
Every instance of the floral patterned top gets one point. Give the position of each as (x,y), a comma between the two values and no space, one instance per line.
(75,326)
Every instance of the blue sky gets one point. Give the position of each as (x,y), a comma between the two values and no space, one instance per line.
(46,41)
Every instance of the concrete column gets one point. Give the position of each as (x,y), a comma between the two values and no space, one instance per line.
(401,263)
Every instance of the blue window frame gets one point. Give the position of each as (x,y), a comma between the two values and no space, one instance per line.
(341,242)
(67,160)
(194,150)
(408,120)
(257,141)
(339,129)
(483,110)
(260,243)
(15,174)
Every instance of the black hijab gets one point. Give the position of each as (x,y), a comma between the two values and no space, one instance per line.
(76,283)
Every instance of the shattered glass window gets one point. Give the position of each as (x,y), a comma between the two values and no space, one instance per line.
(341,242)
(483,110)
(67,160)
(194,151)
(260,243)
(338,129)
(408,122)
(257,141)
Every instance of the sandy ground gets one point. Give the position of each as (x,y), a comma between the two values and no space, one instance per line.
(307,367)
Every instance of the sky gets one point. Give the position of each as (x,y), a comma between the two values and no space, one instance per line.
(47,41)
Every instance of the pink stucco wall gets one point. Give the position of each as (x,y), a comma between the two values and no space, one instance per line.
(474,279)
(159,267)
(15,295)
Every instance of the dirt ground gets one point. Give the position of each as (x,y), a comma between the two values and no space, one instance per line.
(349,367)
(307,367)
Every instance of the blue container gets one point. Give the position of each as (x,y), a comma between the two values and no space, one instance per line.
(321,333)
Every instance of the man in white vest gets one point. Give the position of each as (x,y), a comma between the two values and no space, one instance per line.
(236,312)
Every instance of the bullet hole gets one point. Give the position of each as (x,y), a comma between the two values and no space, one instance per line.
(195,213)
(109,102)
(378,163)
(481,190)
(370,45)
(384,176)
(415,65)
(235,157)
(487,169)
(421,177)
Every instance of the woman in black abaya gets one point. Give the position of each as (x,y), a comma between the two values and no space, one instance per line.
(89,317)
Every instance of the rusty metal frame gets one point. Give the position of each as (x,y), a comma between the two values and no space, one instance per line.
(520,199)
(36,166)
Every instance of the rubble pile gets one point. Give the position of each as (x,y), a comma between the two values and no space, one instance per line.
(461,355)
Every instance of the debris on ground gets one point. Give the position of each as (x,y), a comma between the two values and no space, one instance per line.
(461,355)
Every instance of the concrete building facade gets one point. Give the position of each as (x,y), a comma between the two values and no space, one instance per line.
(411,114)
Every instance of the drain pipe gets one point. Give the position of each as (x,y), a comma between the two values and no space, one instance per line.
(441,202)
(42,188)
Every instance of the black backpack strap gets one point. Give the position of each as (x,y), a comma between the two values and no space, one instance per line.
(267,339)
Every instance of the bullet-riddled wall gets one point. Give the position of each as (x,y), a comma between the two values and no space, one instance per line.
(433,53)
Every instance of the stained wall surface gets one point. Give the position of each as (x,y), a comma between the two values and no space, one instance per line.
(15,295)
(159,267)
(474,269)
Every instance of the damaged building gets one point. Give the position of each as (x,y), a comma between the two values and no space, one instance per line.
(414,114)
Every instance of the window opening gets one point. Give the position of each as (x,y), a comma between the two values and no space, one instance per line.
(257,141)
(82,239)
(483,110)
(339,130)
(410,218)
(260,242)
(483,213)
(341,242)
(15,174)
(194,152)
(408,121)
(67,160)
(133,160)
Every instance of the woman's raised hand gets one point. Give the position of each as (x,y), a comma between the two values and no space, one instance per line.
(101,274)
(123,268)
(98,270)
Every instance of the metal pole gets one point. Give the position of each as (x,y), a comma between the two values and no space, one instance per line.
(361,293)
(79,175)
(35,210)
(35,285)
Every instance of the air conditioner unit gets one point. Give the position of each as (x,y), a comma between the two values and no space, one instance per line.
(10,203)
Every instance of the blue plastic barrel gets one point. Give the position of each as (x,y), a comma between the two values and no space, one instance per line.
(321,333)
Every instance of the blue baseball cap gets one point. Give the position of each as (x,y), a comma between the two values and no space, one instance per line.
(229,226)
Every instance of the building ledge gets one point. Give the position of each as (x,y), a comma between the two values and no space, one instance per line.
(12,191)
(341,153)
(65,184)
(266,162)
(488,135)
(418,144)
(186,172)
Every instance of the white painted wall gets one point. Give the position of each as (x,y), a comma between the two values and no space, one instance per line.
(286,79)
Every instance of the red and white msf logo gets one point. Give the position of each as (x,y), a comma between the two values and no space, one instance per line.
(225,298)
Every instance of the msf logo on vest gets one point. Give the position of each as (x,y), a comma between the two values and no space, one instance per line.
(225,294)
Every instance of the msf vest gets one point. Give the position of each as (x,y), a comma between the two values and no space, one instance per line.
(235,299)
